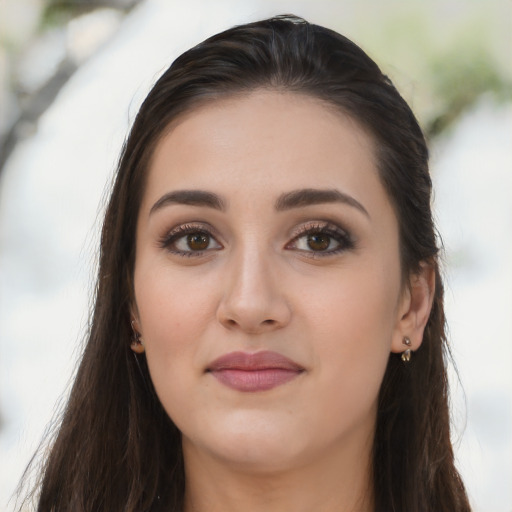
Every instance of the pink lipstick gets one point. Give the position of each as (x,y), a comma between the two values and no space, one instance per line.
(254,372)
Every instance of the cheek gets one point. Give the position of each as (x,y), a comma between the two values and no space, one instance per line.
(174,315)
(171,309)
(358,305)
(352,325)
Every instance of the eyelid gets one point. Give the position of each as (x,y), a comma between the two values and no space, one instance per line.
(176,233)
(341,235)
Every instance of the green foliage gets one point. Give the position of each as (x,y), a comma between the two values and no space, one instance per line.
(442,55)
(59,12)
(458,78)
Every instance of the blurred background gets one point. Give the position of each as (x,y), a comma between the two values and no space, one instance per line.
(72,75)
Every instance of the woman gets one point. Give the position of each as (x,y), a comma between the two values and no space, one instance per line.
(268,331)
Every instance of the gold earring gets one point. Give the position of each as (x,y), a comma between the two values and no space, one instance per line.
(406,354)
(137,345)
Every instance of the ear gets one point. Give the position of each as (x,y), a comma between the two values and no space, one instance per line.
(414,308)
(137,344)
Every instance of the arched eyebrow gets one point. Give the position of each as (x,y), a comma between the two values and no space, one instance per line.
(287,201)
(192,198)
(311,196)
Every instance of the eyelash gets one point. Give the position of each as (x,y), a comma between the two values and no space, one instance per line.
(169,240)
(340,236)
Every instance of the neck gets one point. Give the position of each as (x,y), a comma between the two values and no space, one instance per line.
(334,483)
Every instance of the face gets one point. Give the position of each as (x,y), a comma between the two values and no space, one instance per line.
(267,280)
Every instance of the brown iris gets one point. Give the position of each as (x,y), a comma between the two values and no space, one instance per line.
(319,241)
(198,241)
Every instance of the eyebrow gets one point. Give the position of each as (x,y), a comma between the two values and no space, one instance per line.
(312,196)
(287,201)
(192,198)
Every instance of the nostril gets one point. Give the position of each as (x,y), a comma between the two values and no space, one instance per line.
(269,322)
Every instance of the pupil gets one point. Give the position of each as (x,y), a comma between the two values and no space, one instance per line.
(318,242)
(198,241)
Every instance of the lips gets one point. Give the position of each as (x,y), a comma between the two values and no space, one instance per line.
(260,371)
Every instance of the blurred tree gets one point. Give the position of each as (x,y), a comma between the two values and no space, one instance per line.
(61,11)
(458,78)
(22,104)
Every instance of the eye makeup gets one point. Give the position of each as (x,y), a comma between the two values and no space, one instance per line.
(190,240)
(321,239)
(318,238)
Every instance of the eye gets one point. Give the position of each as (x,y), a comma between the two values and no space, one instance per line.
(321,239)
(190,240)
(316,242)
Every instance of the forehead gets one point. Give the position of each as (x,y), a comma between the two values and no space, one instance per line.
(264,141)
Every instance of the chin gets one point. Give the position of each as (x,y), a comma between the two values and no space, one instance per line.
(253,457)
(254,445)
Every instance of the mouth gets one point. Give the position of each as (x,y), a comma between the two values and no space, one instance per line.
(260,371)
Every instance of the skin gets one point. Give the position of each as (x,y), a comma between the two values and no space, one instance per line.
(259,284)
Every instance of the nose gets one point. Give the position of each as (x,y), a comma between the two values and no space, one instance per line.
(253,297)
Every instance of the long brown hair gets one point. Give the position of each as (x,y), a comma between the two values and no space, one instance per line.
(116,449)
